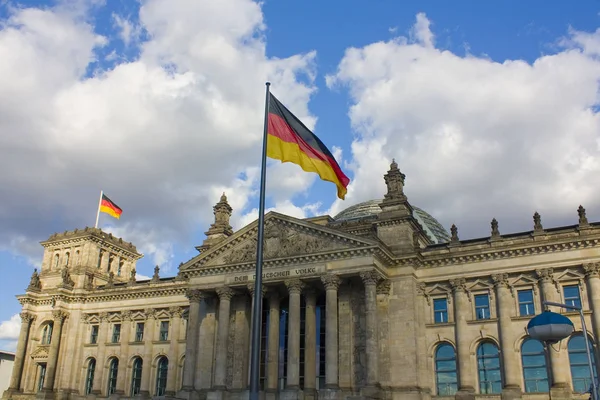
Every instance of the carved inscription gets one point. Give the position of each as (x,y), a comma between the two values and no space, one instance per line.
(279,275)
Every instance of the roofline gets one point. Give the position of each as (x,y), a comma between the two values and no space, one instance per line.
(7,352)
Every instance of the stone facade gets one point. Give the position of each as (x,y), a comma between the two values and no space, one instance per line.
(374,306)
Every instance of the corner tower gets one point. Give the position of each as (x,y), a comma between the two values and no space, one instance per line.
(75,259)
(220,229)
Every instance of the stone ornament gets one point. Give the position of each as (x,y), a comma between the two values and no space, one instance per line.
(384,287)
(150,313)
(545,274)
(537,222)
(251,289)
(111,280)
(126,315)
(592,269)
(495,230)
(194,295)
(59,315)
(294,286)
(225,293)
(103,316)
(156,276)
(454,234)
(331,281)
(132,279)
(458,285)
(175,311)
(370,278)
(583,221)
(34,282)
(26,317)
(500,280)
(394,180)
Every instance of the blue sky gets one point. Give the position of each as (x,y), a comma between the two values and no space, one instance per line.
(488,107)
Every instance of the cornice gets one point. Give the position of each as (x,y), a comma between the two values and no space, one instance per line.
(499,250)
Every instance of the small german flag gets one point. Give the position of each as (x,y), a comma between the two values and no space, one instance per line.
(109,207)
(289,140)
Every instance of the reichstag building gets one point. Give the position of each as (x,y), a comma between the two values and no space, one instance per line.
(379,302)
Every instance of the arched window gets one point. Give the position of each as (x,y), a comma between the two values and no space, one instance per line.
(445,370)
(113,371)
(56,257)
(488,366)
(136,376)
(89,376)
(67,256)
(580,370)
(535,369)
(120,270)
(161,376)
(47,333)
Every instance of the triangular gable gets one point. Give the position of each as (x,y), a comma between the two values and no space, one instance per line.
(482,285)
(162,314)
(524,280)
(40,353)
(569,275)
(114,317)
(437,290)
(93,319)
(138,315)
(285,237)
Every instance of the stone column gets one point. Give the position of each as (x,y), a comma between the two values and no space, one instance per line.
(559,360)
(331,283)
(17,372)
(295,287)
(462,313)
(510,358)
(59,318)
(148,351)
(310,342)
(125,336)
(370,279)
(251,291)
(273,345)
(592,272)
(225,294)
(173,350)
(191,349)
(100,361)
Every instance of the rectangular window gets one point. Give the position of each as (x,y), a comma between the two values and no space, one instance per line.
(572,297)
(440,311)
(164,330)
(139,332)
(116,336)
(482,306)
(94,334)
(525,302)
(42,377)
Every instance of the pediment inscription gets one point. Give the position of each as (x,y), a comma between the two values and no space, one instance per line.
(282,241)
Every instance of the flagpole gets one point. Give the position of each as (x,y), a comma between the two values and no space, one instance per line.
(98,213)
(257,311)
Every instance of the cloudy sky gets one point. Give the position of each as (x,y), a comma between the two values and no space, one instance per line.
(489,108)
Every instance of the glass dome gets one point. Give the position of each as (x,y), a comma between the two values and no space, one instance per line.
(368,209)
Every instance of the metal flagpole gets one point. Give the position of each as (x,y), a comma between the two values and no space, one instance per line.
(98,213)
(257,312)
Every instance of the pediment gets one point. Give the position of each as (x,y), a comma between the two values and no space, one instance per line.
(569,275)
(524,280)
(162,314)
(285,237)
(40,353)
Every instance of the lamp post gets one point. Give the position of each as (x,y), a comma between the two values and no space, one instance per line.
(551,327)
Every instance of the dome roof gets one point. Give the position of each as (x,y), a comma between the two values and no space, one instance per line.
(366,209)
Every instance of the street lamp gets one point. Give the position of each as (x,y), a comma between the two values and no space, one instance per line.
(550,327)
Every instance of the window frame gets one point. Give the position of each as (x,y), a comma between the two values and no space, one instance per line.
(443,312)
(533,308)
(477,308)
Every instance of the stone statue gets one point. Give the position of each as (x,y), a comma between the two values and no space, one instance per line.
(111,280)
(66,277)
(156,277)
(34,282)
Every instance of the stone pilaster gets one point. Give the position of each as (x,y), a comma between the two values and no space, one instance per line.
(175,313)
(295,287)
(225,294)
(102,335)
(17,373)
(273,345)
(59,317)
(559,360)
(145,388)
(370,280)
(191,349)
(250,287)
(592,272)
(332,284)
(125,337)
(510,358)
(310,342)
(462,309)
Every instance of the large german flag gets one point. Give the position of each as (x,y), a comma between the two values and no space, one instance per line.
(109,207)
(289,140)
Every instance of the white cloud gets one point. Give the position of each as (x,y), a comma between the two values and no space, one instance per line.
(129,31)
(9,330)
(162,135)
(476,138)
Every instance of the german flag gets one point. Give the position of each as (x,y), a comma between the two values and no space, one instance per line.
(289,140)
(109,207)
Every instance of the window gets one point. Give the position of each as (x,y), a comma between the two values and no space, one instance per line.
(47,334)
(161,376)
(42,377)
(445,370)
(56,257)
(94,334)
(482,306)
(488,366)
(112,376)
(89,376)
(580,370)
(116,336)
(164,330)
(571,294)
(525,302)
(136,376)
(67,256)
(139,332)
(535,370)
(440,311)
(120,269)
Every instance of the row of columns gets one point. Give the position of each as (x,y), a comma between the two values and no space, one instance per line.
(295,288)
(559,362)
